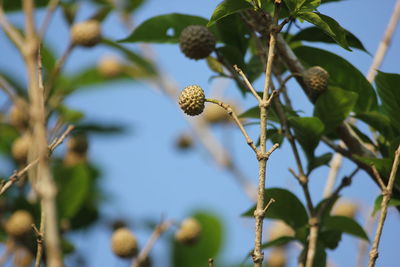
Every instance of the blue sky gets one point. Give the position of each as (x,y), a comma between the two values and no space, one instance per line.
(146,177)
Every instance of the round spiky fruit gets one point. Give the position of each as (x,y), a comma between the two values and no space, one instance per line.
(124,243)
(316,79)
(276,258)
(109,67)
(87,33)
(20,148)
(189,232)
(196,42)
(192,100)
(19,223)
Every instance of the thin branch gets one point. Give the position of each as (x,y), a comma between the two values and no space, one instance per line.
(248,83)
(51,8)
(15,36)
(378,177)
(384,44)
(39,241)
(17,174)
(258,255)
(387,194)
(335,165)
(144,253)
(230,111)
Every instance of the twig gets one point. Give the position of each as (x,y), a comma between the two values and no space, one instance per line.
(51,7)
(384,44)
(17,174)
(335,165)
(57,68)
(144,253)
(363,244)
(230,111)
(378,177)
(7,88)
(248,84)
(11,31)
(387,194)
(258,255)
(39,241)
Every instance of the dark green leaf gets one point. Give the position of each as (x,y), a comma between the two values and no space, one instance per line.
(283,240)
(296,6)
(233,32)
(330,238)
(333,106)
(163,29)
(308,131)
(383,165)
(345,225)
(276,136)
(7,135)
(326,204)
(131,5)
(254,68)
(315,34)
(100,128)
(74,187)
(341,74)
(287,207)
(388,85)
(226,8)
(319,258)
(254,113)
(378,121)
(13,5)
(318,161)
(328,25)
(208,246)
(378,201)
(69,115)
(48,58)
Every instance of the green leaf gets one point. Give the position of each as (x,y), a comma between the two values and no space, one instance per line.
(330,238)
(318,161)
(254,113)
(296,6)
(276,136)
(208,246)
(12,5)
(163,29)
(378,121)
(328,25)
(345,225)
(315,34)
(378,201)
(227,7)
(233,32)
(319,258)
(74,187)
(341,74)
(283,240)
(70,115)
(287,207)
(7,135)
(308,131)
(334,106)
(388,85)
(100,128)
(215,65)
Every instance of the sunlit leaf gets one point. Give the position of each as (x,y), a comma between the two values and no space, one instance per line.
(228,7)
(346,225)
(378,201)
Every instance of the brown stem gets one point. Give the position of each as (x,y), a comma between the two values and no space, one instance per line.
(144,253)
(231,113)
(387,194)
(258,255)
(384,44)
